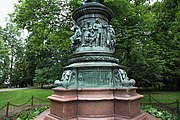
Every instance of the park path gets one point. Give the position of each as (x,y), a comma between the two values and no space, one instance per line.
(13,89)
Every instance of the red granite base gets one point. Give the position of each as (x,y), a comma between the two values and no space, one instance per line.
(101,104)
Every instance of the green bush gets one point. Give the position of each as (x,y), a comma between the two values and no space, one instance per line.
(29,114)
(162,114)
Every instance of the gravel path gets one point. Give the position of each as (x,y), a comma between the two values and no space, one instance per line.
(13,89)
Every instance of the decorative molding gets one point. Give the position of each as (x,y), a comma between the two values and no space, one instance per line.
(92,8)
(97,77)
(94,58)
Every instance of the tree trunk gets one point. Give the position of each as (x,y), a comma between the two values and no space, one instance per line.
(42,85)
(10,71)
(178,84)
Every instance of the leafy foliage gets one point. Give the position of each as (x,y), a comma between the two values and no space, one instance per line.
(163,115)
(29,114)
(167,37)
(48,42)
(147,39)
(140,44)
(4,60)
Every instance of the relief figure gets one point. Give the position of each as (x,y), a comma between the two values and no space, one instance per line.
(76,38)
(92,33)
(97,28)
(110,37)
(87,33)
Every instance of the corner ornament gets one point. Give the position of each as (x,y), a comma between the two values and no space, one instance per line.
(67,79)
(122,79)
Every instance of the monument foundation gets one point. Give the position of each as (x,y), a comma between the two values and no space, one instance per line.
(94,86)
(93,104)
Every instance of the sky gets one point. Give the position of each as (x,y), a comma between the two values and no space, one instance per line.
(6,6)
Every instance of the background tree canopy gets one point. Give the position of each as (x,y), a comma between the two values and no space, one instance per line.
(148,41)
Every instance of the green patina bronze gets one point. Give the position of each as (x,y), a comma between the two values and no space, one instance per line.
(92,64)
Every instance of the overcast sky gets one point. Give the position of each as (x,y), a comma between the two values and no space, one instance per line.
(6,6)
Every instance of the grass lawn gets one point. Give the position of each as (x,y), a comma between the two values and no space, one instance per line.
(161,96)
(22,96)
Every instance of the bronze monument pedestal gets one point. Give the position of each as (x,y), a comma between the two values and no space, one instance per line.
(93,85)
(93,104)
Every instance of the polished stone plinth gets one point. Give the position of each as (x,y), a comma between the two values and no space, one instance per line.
(95,104)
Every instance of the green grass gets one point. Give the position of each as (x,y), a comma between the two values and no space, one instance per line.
(161,96)
(22,96)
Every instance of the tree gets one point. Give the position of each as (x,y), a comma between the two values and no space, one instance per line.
(167,36)
(14,43)
(134,22)
(4,60)
(48,22)
(147,39)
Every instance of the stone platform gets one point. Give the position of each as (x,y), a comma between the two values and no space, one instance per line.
(46,112)
(95,104)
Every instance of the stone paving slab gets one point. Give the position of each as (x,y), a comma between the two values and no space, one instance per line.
(42,115)
(150,117)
